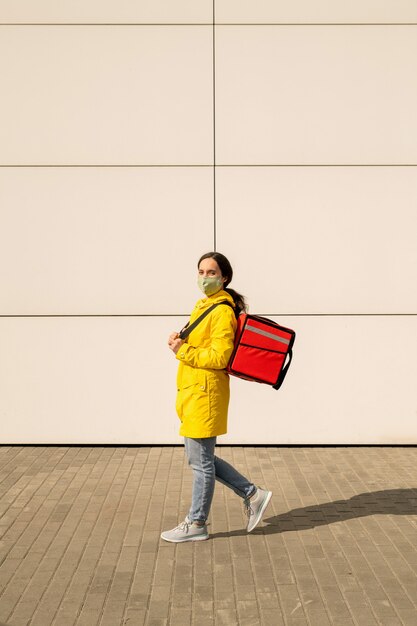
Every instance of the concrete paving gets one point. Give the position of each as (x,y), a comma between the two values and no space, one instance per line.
(80,539)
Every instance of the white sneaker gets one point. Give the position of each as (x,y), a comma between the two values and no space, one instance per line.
(186,531)
(256,506)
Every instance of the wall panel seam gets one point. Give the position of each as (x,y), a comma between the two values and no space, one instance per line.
(105,24)
(104,165)
(316,24)
(209,165)
(214,128)
(244,24)
(146,315)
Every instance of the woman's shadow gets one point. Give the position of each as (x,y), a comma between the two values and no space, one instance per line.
(387,502)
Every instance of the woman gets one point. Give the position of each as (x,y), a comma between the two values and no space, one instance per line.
(203,399)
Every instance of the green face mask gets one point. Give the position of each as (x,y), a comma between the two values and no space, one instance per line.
(210,284)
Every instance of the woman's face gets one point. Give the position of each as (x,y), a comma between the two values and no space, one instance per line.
(208,268)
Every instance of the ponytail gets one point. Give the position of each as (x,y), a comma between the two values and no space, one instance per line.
(238,299)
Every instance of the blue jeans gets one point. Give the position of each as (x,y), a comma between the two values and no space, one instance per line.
(207,468)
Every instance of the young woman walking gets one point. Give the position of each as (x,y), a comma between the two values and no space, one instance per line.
(203,400)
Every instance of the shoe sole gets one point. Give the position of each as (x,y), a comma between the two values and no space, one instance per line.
(201,538)
(261,511)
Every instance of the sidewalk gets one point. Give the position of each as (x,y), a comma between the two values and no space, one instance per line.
(79,539)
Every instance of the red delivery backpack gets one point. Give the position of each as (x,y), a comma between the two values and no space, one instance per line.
(263,348)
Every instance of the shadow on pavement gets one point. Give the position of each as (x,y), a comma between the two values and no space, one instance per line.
(388,502)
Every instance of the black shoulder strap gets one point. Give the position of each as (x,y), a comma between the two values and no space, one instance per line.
(283,371)
(183,334)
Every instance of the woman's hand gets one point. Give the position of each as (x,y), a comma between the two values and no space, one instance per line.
(174,342)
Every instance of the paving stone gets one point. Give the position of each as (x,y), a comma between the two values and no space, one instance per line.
(80,539)
(270,617)
(180,617)
(134,617)
(225,617)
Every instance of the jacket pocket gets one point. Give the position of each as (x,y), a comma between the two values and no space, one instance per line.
(195,401)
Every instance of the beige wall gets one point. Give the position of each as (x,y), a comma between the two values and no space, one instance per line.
(108,136)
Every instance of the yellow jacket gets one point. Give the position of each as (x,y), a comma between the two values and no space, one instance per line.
(202,383)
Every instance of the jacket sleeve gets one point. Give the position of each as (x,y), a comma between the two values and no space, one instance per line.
(218,353)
